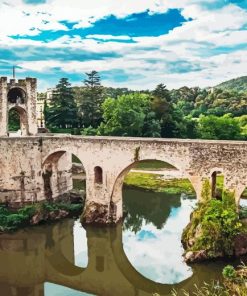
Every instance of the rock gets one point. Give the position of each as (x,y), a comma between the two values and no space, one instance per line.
(56,215)
(240,244)
(197,256)
(191,242)
(95,213)
(189,256)
(37,218)
(77,196)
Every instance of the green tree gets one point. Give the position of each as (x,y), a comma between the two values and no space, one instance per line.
(62,110)
(221,128)
(92,99)
(13,120)
(171,119)
(129,115)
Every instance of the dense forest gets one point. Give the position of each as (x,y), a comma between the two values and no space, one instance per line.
(92,109)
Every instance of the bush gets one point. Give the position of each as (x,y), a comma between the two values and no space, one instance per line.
(13,220)
(214,226)
(229,272)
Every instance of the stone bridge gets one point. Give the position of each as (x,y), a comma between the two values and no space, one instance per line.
(37,167)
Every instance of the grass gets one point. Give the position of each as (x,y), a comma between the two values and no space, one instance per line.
(153,165)
(154,182)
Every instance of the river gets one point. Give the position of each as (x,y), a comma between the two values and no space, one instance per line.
(141,257)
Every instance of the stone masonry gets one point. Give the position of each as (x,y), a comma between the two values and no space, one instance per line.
(26,160)
(21,96)
(35,167)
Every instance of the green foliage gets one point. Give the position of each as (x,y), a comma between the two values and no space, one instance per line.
(242,121)
(237,84)
(218,113)
(129,115)
(153,165)
(156,183)
(14,120)
(90,131)
(206,191)
(218,222)
(171,119)
(234,284)
(12,220)
(62,110)
(229,272)
(212,289)
(91,101)
(221,128)
(243,212)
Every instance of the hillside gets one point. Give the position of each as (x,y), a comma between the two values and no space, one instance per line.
(238,84)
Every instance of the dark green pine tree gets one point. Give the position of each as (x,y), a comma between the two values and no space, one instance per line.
(93,97)
(62,110)
(171,120)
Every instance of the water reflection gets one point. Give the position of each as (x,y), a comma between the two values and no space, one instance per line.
(65,259)
(156,235)
(151,207)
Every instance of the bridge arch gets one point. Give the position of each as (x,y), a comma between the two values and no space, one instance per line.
(116,201)
(57,172)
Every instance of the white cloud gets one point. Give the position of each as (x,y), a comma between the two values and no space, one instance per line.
(150,59)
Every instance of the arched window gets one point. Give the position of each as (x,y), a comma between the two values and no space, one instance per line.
(98,175)
(16,95)
(17,121)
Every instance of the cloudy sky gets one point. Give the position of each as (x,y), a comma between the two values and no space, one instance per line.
(132,43)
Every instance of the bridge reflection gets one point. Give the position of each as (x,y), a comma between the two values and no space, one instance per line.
(31,257)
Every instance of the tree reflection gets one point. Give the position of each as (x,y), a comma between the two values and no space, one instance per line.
(148,207)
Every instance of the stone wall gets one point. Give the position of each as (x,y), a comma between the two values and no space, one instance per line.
(196,159)
(26,107)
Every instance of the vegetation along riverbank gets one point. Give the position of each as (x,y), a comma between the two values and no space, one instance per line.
(216,229)
(29,215)
(233,283)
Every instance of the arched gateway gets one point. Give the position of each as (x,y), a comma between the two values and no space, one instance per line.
(24,161)
(20,96)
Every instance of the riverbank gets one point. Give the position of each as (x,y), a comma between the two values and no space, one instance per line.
(154,181)
(30,215)
(216,229)
(233,283)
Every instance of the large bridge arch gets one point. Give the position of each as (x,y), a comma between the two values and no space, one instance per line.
(116,202)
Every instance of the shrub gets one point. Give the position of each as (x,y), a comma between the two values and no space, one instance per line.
(229,272)
(213,226)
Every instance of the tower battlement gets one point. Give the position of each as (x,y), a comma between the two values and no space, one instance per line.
(20,95)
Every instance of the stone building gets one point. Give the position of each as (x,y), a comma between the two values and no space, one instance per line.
(20,95)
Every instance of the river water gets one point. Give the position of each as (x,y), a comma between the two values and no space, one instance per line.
(141,257)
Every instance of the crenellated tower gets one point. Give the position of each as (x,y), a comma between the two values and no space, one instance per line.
(21,96)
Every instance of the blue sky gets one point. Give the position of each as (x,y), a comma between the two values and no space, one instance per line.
(135,44)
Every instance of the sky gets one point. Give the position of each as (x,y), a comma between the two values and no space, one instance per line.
(131,43)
